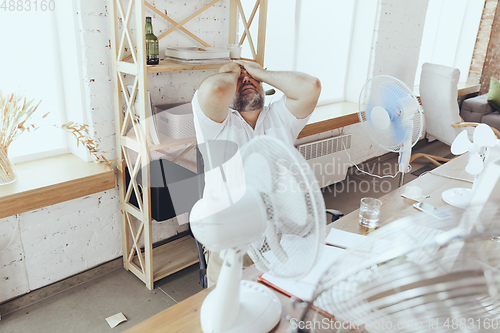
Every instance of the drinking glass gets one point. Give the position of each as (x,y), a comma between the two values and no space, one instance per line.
(369,212)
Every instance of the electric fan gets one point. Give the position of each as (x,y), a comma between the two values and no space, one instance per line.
(391,115)
(483,138)
(277,214)
(421,280)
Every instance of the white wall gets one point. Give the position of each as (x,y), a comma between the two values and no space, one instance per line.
(399,32)
(61,240)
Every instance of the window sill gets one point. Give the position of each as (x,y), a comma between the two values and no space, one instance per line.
(53,180)
(330,116)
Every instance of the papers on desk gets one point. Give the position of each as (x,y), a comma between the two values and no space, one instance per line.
(336,243)
(343,239)
(304,288)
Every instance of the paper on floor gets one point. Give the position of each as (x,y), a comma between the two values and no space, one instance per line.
(305,287)
(116,319)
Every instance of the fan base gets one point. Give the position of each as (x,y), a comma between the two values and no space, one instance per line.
(260,310)
(457,197)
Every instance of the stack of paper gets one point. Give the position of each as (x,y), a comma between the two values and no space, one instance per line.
(197,55)
(304,288)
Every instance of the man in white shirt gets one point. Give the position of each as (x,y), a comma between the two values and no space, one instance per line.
(229,107)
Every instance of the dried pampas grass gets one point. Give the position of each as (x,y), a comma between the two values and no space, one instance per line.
(15,110)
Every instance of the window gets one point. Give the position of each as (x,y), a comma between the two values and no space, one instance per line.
(449,35)
(35,62)
(331,40)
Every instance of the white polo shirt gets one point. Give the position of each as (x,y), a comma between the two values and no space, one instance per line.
(275,120)
(226,138)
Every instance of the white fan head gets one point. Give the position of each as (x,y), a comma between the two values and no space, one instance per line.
(390,113)
(280,217)
(295,208)
(483,136)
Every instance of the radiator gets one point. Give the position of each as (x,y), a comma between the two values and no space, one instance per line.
(328,158)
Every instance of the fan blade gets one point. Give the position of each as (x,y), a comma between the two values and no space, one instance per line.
(273,240)
(399,131)
(484,136)
(390,95)
(461,143)
(258,171)
(475,165)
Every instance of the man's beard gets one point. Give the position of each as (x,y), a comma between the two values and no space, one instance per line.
(248,102)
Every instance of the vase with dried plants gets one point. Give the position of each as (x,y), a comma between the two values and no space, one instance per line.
(15,110)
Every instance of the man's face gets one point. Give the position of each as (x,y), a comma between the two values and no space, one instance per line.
(249,94)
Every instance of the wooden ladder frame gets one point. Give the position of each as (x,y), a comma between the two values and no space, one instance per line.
(234,9)
(140,261)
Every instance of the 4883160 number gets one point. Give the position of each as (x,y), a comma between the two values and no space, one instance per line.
(472,323)
(28,5)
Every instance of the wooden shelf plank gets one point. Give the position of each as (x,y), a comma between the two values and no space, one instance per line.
(131,142)
(53,180)
(172,66)
(174,256)
(167,142)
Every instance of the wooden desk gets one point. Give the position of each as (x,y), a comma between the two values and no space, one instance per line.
(185,316)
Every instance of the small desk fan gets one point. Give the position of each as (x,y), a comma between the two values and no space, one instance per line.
(277,214)
(483,138)
(392,116)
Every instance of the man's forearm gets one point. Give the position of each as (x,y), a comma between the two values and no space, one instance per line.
(216,94)
(302,90)
(294,85)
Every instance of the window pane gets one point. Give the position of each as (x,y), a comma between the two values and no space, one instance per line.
(29,63)
(449,35)
(321,47)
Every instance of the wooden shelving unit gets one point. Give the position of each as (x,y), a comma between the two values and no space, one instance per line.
(145,262)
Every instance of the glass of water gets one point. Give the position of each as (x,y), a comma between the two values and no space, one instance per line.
(369,212)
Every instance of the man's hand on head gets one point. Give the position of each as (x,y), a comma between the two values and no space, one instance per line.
(253,68)
(231,67)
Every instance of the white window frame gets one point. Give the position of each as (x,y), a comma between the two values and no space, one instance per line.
(68,40)
(449,36)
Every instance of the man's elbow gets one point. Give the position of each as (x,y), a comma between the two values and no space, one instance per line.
(315,87)
(220,91)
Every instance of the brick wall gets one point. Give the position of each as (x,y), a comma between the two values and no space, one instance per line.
(482,47)
(492,60)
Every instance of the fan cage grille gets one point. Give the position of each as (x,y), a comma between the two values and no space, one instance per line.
(417,274)
(296,225)
(406,113)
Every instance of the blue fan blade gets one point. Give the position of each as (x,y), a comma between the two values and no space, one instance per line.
(391,95)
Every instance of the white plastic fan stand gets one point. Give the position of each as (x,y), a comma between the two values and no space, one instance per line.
(236,306)
(459,197)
